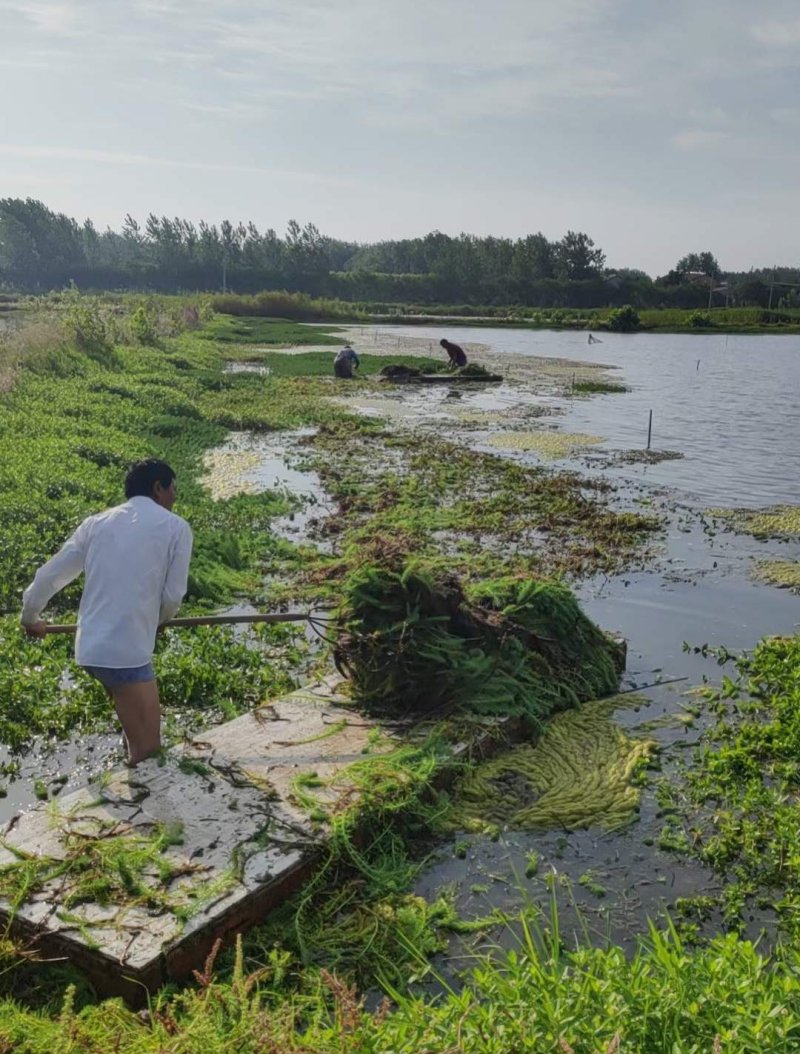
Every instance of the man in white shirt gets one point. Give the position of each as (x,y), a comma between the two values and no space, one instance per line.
(135,558)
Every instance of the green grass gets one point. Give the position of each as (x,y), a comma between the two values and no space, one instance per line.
(270,331)
(320,363)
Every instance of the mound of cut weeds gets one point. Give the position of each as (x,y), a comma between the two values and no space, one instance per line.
(413,637)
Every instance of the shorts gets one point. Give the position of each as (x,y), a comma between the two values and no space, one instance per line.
(111,678)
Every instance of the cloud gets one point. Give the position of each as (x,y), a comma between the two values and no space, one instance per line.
(114,157)
(777,33)
(698,138)
(60,19)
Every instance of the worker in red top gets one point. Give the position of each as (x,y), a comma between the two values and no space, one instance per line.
(455,353)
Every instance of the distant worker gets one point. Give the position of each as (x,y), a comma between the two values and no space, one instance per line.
(455,353)
(135,562)
(345,362)
(592,340)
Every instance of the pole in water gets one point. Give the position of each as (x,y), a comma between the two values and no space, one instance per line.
(649,429)
(698,364)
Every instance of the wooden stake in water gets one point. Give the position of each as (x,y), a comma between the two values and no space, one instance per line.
(649,429)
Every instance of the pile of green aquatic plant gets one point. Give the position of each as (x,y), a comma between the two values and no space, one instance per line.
(581,771)
(738,808)
(106,866)
(474,371)
(413,637)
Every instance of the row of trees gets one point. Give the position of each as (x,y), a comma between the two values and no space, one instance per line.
(41,249)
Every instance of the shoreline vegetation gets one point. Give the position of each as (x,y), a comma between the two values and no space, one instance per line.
(349,964)
(239,312)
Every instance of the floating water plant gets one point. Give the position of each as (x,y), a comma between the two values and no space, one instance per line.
(589,387)
(579,772)
(224,470)
(774,522)
(546,444)
(782,573)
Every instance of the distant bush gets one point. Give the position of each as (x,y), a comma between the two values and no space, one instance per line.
(143,326)
(700,320)
(299,307)
(624,319)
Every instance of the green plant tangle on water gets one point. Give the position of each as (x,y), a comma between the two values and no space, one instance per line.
(740,802)
(579,772)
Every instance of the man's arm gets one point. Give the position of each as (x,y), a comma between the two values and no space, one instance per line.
(177,576)
(51,577)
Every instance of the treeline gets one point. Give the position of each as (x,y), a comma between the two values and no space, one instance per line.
(42,250)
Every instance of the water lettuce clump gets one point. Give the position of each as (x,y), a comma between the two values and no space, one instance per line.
(413,636)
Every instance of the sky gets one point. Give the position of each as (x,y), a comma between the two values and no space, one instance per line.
(658,128)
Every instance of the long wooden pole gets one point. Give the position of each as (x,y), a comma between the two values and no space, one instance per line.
(205,620)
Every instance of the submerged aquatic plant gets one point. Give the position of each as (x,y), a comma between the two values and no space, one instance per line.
(580,772)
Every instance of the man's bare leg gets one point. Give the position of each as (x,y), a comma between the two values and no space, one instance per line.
(138,709)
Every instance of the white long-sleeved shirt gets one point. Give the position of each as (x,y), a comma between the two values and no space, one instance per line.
(136,561)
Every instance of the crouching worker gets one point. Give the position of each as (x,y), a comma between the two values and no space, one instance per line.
(344,363)
(135,561)
(455,354)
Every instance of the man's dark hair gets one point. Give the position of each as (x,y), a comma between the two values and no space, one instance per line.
(444,342)
(143,476)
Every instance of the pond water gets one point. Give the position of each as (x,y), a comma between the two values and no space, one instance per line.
(730,404)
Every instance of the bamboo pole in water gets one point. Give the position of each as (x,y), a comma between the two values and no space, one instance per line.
(206,620)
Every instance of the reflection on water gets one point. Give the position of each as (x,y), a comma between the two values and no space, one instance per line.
(729,403)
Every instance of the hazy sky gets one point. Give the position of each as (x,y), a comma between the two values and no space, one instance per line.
(657,127)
